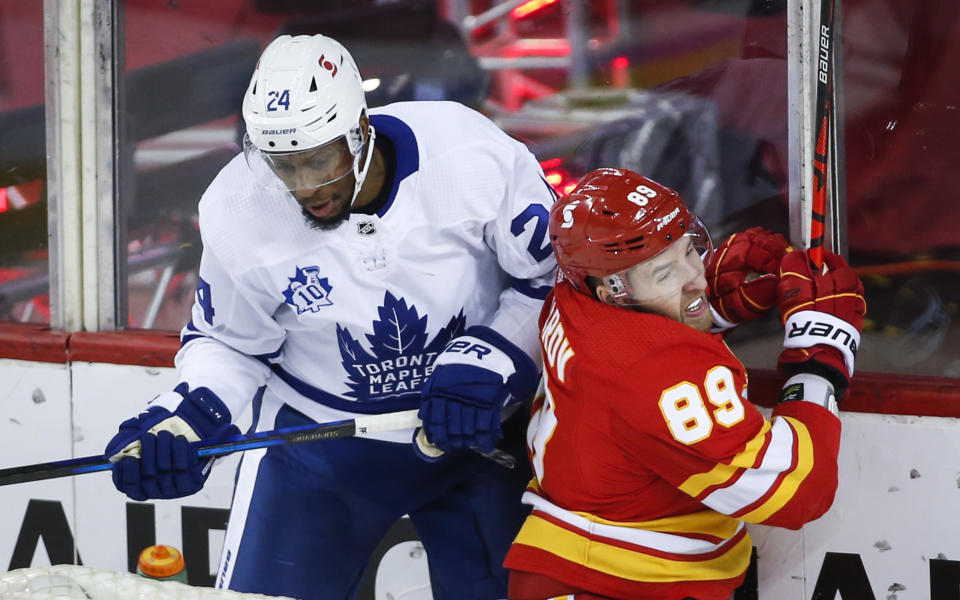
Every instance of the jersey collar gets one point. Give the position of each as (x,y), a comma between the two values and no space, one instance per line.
(407,152)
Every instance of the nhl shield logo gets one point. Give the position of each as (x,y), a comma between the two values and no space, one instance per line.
(366,228)
(307,290)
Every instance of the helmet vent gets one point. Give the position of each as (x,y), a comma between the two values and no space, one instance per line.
(608,212)
(313,84)
(253,92)
(332,117)
(618,247)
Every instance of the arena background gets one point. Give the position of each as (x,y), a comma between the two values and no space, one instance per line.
(115,114)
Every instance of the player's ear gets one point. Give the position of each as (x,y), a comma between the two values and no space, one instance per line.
(600,291)
(604,295)
(364,124)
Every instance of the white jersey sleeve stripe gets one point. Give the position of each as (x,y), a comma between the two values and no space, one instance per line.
(655,540)
(753,484)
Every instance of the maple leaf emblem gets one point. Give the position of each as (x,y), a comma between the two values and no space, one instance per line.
(399,357)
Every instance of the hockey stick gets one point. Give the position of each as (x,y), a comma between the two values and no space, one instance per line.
(360,426)
(822,124)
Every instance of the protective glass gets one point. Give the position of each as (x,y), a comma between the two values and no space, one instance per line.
(663,275)
(303,169)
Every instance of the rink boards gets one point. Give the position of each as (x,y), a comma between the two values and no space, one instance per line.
(891,534)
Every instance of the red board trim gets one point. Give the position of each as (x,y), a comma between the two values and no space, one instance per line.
(131,347)
(882,393)
(140,347)
(33,342)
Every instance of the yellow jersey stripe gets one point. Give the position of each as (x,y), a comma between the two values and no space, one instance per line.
(706,522)
(722,472)
(788,486)
(627,564)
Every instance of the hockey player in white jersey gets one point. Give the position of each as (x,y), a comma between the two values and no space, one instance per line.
(343,251)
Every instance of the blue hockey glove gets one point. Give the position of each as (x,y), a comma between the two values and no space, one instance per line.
(476,376)
(151,454)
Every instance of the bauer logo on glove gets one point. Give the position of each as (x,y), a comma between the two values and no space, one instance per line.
(808,328)
(470,351)
(474,378)
(822,316)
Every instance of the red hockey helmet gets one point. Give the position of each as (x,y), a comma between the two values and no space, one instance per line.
(615,219)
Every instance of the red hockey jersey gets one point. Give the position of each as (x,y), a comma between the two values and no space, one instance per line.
(648,458)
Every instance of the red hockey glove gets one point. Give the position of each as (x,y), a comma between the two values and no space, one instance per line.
(743,274)
(822,315)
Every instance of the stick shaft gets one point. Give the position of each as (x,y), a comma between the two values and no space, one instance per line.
(288,435)
(824,62)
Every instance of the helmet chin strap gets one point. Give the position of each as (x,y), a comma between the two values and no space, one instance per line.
(360,173)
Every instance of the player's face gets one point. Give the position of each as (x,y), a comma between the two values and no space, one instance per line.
(672,284)
(328,206)
(320,179)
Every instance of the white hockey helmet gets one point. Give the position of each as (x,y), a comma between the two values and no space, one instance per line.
(302,111)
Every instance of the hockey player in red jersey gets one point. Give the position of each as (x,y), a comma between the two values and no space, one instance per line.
(648,457)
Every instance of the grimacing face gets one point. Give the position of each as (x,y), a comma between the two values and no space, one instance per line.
(672,284)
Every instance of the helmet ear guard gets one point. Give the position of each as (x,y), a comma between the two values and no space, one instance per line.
(616,284)
(355,135)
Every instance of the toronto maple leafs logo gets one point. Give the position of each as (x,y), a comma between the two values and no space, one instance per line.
(307,290)
(400,358)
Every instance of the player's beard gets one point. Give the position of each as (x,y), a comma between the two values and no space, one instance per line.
(326,223)
(339,197)
(702,321)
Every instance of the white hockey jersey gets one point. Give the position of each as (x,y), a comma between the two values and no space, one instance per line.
(348,321)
